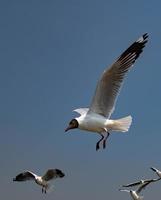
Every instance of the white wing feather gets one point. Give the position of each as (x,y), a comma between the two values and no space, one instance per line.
(81,111)
(109,85)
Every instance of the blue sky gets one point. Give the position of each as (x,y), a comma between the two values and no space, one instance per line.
(52,54)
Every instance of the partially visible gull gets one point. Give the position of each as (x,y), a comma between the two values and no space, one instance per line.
(96,118)
(156,171)
(40,180)
(135,193)
(141,182)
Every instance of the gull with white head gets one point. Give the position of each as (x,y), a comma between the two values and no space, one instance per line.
(96,118)
(40,180)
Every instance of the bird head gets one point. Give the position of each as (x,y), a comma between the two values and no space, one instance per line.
(72,124)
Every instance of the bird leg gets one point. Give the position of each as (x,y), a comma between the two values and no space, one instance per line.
(104,139)
(43,190)
(97,144)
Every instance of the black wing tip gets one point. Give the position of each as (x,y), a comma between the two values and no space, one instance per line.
(152,168)
(143,39)
(145,36)
(60,173)
(18,179)
(124,186)
(135,49)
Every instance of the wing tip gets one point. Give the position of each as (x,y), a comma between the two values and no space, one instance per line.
(60,173)
(143,38)
(152,168)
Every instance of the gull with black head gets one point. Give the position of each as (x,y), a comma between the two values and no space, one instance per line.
(96,118)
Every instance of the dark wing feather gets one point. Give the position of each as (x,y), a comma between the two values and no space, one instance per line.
(110,83)
(132,184)
(53,173)
(24,176)
(147,182)
(142,187)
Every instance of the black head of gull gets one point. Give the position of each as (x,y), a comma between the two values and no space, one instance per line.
(72,124)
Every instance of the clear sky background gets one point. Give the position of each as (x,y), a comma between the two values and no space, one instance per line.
(51,55)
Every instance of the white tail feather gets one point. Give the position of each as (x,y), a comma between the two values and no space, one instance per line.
(122,124)
(50,188)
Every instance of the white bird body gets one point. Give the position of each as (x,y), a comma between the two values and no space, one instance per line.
(92,122)
(133,194)
(97,123)
(41,182)
(96,118)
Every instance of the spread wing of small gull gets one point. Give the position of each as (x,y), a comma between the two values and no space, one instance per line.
(122,190)
(144,185)
(52,174)
(110,83)
(139,182)
(25,176)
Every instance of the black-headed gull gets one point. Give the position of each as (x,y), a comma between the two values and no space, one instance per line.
(135,193)
(156,171)
(96,118)
(40,180)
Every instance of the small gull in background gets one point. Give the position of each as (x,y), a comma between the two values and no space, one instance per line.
(141,182)
(135,193)
(40,180)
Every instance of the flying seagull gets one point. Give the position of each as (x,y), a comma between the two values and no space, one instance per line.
(156,171)
(96,118)
(40,180)
(141,182)
(135,193)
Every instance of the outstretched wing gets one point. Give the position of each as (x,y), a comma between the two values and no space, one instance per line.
(25,176)
(156,171)
(145,184)
(52,174)
(122,190)
(132,184)
(141,182)
(110,83)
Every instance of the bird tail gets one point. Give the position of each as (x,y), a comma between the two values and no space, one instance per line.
(50,188)
(122,124)
(141,197)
